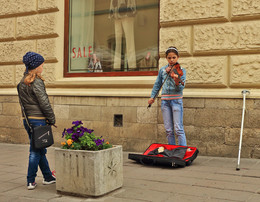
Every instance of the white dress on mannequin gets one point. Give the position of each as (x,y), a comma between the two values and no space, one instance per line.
(123,12)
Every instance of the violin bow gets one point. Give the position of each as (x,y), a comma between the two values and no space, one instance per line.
(157,93)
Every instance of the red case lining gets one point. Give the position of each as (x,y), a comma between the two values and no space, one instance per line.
(186,157)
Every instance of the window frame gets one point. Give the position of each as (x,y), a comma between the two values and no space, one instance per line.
(66,72)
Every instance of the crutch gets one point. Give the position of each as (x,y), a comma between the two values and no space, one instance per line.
(244,92)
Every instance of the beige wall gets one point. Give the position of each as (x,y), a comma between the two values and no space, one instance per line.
(30,25)
(219,43)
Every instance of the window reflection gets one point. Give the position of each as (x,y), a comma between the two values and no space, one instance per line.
(113,35)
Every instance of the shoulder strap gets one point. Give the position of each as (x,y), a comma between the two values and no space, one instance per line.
(22,107)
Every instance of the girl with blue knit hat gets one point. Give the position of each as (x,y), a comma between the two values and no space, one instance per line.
(34,98)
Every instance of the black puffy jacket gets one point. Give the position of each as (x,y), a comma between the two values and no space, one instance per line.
(35,100)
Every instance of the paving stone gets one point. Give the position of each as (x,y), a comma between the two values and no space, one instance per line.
(141,194)
(232,195)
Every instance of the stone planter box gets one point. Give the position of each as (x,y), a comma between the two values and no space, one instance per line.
(89,173)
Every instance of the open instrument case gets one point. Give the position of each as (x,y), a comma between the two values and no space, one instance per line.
(164,154)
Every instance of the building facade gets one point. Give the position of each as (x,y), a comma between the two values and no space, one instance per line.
(219,43)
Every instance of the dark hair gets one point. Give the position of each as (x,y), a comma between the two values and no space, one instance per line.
(172,49)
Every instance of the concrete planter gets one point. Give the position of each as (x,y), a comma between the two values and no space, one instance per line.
(89,173)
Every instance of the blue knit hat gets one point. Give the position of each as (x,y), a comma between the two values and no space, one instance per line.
(32,60)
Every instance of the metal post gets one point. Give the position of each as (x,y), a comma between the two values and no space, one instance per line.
(244,92)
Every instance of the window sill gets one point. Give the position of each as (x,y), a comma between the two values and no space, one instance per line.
(106,82)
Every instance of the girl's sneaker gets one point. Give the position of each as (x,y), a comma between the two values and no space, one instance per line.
(31,186)
(49,181)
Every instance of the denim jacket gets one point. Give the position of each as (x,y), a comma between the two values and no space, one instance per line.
(169,90)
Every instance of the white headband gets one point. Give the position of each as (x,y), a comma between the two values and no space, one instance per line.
(172,49)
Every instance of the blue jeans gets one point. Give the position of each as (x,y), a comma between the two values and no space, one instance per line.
(37,157)
(172,111)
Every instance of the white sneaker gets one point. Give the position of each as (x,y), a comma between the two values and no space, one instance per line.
(31,186)
(50,181)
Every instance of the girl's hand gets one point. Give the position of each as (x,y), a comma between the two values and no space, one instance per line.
(168,69)
(150,101)
(174,76)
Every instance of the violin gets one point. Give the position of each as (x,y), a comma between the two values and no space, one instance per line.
(176,69)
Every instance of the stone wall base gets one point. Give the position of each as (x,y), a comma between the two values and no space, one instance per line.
(211,124)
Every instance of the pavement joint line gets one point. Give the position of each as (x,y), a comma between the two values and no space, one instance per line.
(204,197)
(226,189)
(251,176)
(155,181)
(132,198)
(227,174)
(12,188)
(207,197)
(206,178)
(224,199)
(232,174)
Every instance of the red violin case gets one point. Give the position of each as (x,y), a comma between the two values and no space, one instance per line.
(172,155)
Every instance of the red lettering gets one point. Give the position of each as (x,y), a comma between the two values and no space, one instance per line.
(89,50)
(79,53)
(84,52)
(73,50)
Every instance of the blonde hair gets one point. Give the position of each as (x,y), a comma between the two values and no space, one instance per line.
(30,77)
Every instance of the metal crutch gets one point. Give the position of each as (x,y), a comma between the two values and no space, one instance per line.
(244,92)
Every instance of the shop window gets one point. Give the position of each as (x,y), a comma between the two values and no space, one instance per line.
(111,37)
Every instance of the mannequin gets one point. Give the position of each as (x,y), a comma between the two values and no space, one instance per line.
(123,12)
(147,62)
(94,64)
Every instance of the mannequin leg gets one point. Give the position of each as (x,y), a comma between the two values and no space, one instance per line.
(118,35)
(128,26)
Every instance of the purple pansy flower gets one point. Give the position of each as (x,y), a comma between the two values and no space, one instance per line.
(77,123)
(86,130)
(99,142)
(90,130)
(70,130)
(75,137)
(81,134)
(64,132)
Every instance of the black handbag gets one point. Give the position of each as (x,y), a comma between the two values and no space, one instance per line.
(42,136)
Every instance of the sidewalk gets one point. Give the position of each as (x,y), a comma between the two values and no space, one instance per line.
(207,179)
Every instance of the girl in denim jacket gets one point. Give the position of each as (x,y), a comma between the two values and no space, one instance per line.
(171,98)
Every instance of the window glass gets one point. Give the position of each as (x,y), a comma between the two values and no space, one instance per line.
(113,35)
